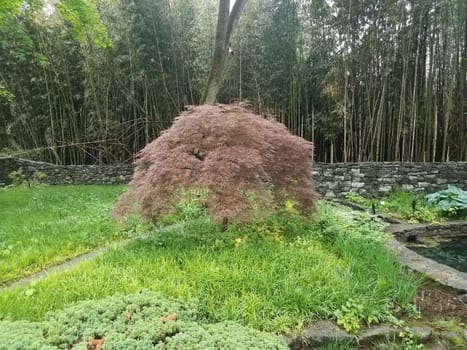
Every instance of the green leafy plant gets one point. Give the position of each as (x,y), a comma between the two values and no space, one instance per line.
(353,313)
(409,340)
(190,205)
(399,204)
(18,178)
(356,198)
(350,316)
(407,337)
(5,94)
(87,24)
(451,202)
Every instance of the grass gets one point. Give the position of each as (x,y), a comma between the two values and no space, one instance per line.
(45,225)
(276,275)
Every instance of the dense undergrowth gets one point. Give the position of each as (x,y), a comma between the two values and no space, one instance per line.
(274,275)
(400,204)
(44,225)
(443,205)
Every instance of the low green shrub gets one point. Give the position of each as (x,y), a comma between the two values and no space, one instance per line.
(18,178)
(189,204)
(451,202)
(356,198)
(134,318)
(23,335)
(144,320)
(354,313)
(224,335)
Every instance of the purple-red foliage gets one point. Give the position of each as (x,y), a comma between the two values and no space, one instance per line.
(246,162)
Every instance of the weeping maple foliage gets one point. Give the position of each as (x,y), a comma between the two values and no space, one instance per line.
(248,166)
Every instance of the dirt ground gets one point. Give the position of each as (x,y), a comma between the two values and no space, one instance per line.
(438,302)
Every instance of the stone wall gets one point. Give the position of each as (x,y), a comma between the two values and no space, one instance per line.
(67,174)
(376,179)
(332,180)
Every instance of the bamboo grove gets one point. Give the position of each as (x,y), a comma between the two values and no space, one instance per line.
(93,81)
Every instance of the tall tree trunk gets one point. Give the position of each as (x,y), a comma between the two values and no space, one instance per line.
(463,88)
(225,25)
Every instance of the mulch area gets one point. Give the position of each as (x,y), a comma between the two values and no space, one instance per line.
(435,301)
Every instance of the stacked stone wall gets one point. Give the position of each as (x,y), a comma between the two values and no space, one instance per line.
(332,180)
(67,174)
(377,179)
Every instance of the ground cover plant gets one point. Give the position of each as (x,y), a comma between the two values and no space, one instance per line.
(276,275)
(45,225)
(144,320)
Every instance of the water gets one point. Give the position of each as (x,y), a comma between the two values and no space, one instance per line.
(452,253)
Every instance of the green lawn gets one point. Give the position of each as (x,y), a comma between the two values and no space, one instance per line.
(44,225)
(276,275)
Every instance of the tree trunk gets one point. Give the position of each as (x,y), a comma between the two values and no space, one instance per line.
(225,25)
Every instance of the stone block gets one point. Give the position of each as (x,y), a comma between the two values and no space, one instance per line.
(324,332)
(384,189)
(378,333)
(422,333)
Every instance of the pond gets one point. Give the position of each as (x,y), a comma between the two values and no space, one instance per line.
(452,253)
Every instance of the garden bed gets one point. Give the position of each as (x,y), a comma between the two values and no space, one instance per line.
(278,275)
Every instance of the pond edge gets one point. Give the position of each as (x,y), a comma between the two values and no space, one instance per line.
(440,273)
